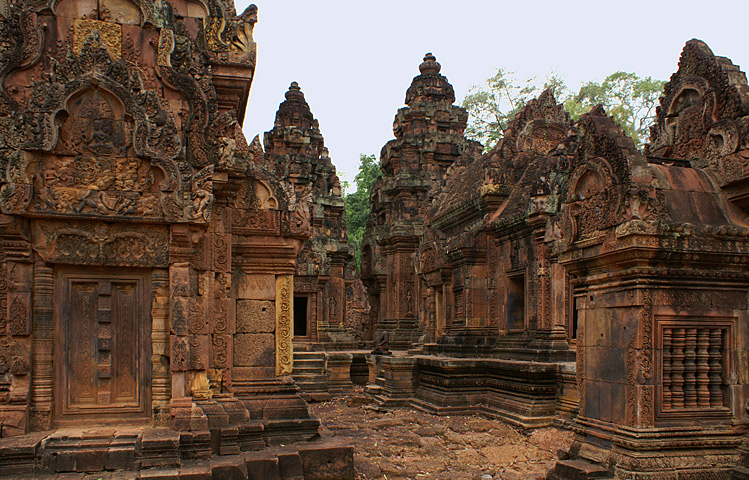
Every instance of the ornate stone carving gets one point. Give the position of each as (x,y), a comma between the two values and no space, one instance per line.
(107,34)
(593,196)
(639,365)
(284,325)
(180,354)
(19,313)
(166,47)
(102,244)
(219,351)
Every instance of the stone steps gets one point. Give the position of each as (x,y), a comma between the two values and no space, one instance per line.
(149,453)
(310,375)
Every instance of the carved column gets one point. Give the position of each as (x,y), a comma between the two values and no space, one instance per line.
(161,379)
(284,324)
(43,374)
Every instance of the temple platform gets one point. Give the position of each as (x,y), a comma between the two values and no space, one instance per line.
(161,453)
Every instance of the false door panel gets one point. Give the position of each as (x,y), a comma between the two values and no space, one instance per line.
(103,347)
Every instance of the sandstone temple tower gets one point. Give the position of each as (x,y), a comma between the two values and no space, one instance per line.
(328,294)
(428,139)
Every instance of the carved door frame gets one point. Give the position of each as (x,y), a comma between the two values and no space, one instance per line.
(112,414)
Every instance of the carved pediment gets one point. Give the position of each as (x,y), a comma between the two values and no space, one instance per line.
(593,198)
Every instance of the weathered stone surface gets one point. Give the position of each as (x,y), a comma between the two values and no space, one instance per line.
(262,466)
(254,349)
(257,287)
(256,316)
(329,461)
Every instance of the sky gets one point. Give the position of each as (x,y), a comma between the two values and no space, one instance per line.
(355,59)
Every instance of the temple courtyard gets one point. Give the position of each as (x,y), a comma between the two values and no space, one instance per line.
(401,443)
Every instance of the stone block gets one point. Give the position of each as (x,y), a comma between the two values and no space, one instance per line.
(195,445)
(195,471)
(257,287)
(327,461)
(220,319)
(15,418)
(18,454)
(120,458)
(59,462)
(159,474)
(228,468)
(339,372)
(254,349)
(121,11)
(249,436)
(262,466)
(75,8)
(256,316)
(89,460)
(579,470)
(290,465)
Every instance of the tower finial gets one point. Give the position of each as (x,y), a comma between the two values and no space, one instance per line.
(294,92)
(430,65)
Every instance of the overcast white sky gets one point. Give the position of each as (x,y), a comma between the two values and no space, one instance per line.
(355,59)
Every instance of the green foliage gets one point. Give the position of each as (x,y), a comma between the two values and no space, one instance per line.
(357,203)
(491,106)
(630,99)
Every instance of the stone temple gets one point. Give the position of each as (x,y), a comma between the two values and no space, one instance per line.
(147,253)
(171,296)
(567,278)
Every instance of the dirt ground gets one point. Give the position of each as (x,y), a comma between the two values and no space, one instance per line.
(404,444)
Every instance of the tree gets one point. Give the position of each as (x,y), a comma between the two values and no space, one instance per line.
(630,99)
(491,106)
(357,203)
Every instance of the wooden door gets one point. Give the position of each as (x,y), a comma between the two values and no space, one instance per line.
(102,348)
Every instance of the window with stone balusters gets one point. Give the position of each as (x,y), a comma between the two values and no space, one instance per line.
(695,361)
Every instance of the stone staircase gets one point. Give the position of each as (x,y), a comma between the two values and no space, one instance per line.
(310,375)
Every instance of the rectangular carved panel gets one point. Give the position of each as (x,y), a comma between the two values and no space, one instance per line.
(103,348)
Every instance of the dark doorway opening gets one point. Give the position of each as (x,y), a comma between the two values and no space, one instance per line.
(516,303)
(300,316)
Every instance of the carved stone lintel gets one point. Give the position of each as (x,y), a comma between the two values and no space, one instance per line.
(104,244)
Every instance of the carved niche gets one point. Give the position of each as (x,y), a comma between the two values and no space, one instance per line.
(593,197)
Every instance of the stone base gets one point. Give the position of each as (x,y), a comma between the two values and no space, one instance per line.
(166,454)
(577,470)
(522,393)
(281,410)
(675,453)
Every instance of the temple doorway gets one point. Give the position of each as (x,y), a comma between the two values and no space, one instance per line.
(102,344)
(300,317)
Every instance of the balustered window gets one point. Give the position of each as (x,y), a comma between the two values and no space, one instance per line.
(695,359)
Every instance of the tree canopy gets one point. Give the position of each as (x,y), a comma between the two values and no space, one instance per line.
(357,203)
(627,97)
